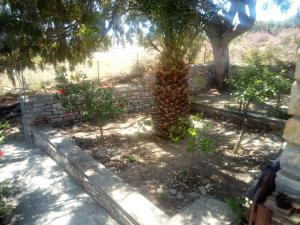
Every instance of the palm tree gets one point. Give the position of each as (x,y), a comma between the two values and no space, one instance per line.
(172,31)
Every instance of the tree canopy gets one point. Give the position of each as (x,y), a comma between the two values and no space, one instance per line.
(52,31)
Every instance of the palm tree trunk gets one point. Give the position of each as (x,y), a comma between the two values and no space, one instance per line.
(170,93)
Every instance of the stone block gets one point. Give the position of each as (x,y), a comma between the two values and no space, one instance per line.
(290,159)
(297,73)
(57,112)
(292,131)
(57,105)
(287,183)
(45,107)
(56,120)
(294,105)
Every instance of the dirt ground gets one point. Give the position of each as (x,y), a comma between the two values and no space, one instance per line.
(158,167)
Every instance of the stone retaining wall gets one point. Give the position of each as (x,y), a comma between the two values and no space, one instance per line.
(124,203)
(44,109)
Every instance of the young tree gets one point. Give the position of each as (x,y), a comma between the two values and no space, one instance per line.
(170,28)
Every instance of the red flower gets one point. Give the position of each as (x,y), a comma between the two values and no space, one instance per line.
(62,91)
(2,153)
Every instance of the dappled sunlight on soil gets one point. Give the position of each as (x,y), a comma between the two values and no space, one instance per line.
(158,167)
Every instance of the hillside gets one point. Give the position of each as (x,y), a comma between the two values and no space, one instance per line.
(283,44)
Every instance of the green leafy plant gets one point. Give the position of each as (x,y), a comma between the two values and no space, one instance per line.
(238,205)
(131,158)
(3,127)
(5,207)
(278,113)
(79,95)
(196,137)
(256,83)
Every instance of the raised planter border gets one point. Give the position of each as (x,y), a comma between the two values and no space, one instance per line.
(234,116)
(123,202)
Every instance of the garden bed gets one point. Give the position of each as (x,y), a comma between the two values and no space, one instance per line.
(158,167)
(224,100)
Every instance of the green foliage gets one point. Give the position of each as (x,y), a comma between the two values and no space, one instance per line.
(5,207)
(79,95)
(170,27)
(238,205)
(53,31)
(196,137)
(256,82)
(278,113)
(195,131)
(131,158)
(3,127)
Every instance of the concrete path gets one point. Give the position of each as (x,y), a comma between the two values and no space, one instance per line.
(45,194)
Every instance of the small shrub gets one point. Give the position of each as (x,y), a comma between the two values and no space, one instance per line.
(239,206)
(256,82)
(3,127)
(196,137)
(131,158)
(78,95)
(278,113)
(5,207)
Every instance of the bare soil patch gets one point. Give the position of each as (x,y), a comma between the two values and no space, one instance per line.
(158,167)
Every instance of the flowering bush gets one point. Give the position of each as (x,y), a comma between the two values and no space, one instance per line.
(79,95)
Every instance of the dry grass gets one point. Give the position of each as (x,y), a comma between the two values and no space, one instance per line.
(112,63)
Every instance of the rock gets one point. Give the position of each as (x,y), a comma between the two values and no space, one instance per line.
(179,196)
(208,186)
(192,195)
(297,72)
(206,210)
(202,190)
(173,191)
(205,181)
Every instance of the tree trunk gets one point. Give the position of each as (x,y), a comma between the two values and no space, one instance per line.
(221,61)
(170,93)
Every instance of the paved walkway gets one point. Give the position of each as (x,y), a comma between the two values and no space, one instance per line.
(45,194)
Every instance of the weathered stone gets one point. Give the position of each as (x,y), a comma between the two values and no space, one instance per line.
(287,183)
(206,211)
(290,159)
(297,73)
(57,105)
(56,120)
(179,196)
(294,105)
(123,202)
(173,191)
(292,130)
(202,190)
(192,195)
